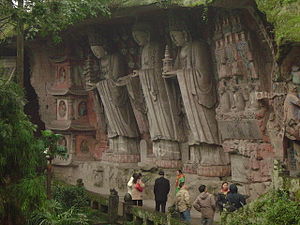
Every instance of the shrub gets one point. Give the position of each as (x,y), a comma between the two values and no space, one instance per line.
(273,208)
(70,196)
(54,213)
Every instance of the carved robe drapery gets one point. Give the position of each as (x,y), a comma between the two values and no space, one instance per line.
(291,108)
(160,115)
(115,99)
(198,91)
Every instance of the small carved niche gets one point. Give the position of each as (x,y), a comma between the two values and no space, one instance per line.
(62,75)
(63,142)
(61,109)
(82,109)
(84,147)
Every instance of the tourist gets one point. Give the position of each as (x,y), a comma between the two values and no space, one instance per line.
(137,191)
(222,196)
(180,178)
(161,191)
(182,202)
(205,203)
(130,183)
(235,200)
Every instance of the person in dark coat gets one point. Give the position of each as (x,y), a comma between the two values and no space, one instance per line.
(222,196)
(235,200)
(161,191)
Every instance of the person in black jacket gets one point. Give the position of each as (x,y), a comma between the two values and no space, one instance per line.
(161,191)
(222,196)
(235,200)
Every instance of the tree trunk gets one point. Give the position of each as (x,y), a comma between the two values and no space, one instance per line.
(49,179)
(20,48)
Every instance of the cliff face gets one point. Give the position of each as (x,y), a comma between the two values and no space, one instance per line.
(201,89)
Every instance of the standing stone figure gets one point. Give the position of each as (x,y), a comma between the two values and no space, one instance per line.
(160,115)
(195,79)
(123,130)
(291,121)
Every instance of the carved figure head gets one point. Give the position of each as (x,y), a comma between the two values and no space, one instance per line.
(98,51)
(179,32)
(99,43)
(142,33)
(180,38)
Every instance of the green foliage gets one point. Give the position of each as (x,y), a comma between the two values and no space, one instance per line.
(70,196)
(51,146)
(68,206)
(285,16)
(53,213)
(21,190)
(164,3)
(51,17)
(43,17)
(274,208)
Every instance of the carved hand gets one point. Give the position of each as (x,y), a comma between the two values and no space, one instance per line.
(135,73)
(122,81)
(170,74)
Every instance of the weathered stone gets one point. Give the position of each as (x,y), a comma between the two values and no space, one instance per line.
(134,107)
(240,168)
(214,171)
(244,129)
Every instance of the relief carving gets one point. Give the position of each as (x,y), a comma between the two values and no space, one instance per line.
(291,109)
(82,109)
(62,109)
(192,68)
(160,114)
(121,120)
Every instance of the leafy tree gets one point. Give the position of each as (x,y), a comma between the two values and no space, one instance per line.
(46,17)
(52,150)
(21,189)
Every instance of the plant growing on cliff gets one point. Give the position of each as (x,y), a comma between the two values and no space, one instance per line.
(285,16)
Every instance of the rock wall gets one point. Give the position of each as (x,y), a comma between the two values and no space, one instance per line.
(191,88)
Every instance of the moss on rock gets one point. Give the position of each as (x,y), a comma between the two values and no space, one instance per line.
(285,16)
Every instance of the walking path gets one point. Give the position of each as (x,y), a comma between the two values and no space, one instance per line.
(196,216)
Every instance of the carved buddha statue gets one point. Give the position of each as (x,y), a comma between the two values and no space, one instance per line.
(160,115)
(115,99)
(193,70)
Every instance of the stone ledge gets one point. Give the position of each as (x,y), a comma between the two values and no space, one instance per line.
(214,171)
(190,168)
(121,158)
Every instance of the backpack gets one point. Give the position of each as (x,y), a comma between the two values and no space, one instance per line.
(229,207)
